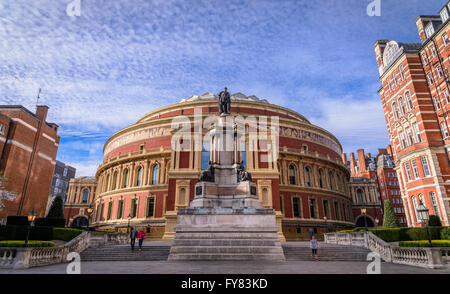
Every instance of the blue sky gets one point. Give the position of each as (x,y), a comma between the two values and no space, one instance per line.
(120,59)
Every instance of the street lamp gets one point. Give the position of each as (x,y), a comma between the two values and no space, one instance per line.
(363,212)
(128,228)
(89,211)
(376,221)
(423,216)
(326,227)
(31,218)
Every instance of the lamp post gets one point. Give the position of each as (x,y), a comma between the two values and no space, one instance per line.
(376,221)
(423,216)
(89,211)
(326,227)
(128,227)
(363,212)
(31,218)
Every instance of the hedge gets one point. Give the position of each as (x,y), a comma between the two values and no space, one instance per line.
(36,233)
(65,234)
(424,243)
(17,220)
(445,233)
(106,231)
(21,243)
(403,234)
(50,222)
(2,232)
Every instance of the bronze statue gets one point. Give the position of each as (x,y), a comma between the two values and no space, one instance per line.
(208,174)
(224,102)
(242,174)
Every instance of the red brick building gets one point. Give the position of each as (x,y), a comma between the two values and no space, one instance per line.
(80,196)
(415,98)
(143,178)
(28,147)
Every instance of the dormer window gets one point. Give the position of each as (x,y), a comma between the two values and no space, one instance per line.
(444,14)
(429,29)
(445,39)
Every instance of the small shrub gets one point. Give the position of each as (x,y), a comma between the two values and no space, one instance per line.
(434,221)
(65,234)
(445,233)
(50,222)
(21,243)
(17,220)
(36,233)
(2,232)
(424,243)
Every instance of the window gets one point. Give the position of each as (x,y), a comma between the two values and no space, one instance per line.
(325,208)
(296,206)
(281,205)
(65,172)
(320,178)
(446,95)
(102,210)
(115,180)
(402,139)
(401,105)
(292,172)
(439,71)
(150,207)
(206,154)
(85,195)
(444,129)
(409,103)
(120,209)
(433,51)
(395,110)
(430,78)
(108,215)
(141,148)
(426,170)
(336,210)
(434,204)
(402,72)
(155,174)
(308,176)
(359,196)
(395,78)
(415,169)
(417,132)
(390,83)
(445,39)
(133,207)
(330,180)
(424,58)
(408,171)
(436,102)
(312,208)
(444,15)
(139,176)
(125,178)
(414,202)
(2,129)
(409,136)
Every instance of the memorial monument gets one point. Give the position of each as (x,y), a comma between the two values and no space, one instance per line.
(226,220)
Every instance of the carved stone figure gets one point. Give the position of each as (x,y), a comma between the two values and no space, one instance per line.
(242,174)
(208,174)
(224,102)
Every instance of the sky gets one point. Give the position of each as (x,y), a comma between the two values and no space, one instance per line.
(102,70)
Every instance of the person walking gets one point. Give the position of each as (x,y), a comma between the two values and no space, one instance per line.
(133,236)
(141,236)
(314,245)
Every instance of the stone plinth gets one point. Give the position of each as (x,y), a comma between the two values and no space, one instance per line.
(226,234)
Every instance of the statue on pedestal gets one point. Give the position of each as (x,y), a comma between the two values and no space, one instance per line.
(208,174)
(242,174)
(224,102)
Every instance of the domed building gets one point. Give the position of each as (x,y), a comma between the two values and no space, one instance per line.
(143,179)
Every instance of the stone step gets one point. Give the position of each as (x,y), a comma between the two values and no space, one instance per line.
(226,242)
(224,235)
(226,249)
(225,256)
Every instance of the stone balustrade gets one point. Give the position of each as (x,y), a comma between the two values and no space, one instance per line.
(38,256)
(434,258)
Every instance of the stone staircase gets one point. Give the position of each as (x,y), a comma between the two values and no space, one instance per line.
(300,251)
(124,253)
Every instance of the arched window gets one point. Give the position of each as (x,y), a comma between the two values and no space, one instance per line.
(320,178)
(85,195)
(307,176)
(107,183)
(408,100)
(292,172)
(115,180)
(401,105)
(139,176)
(280,178)
(395,110)
(125,178)
(155,174)
(359,196)
(330,179)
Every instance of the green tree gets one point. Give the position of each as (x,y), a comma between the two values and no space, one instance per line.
(57,208)
(434,221)
(389,218)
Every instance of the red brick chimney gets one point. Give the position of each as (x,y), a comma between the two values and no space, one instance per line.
(361,160)
(41,112)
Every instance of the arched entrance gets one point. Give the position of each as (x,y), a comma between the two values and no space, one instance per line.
(360,222)
(79,222)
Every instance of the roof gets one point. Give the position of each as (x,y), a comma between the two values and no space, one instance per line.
(211,96)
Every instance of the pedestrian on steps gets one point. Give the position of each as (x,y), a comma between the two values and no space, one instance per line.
(141,236)
(314,245)
(133,236)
